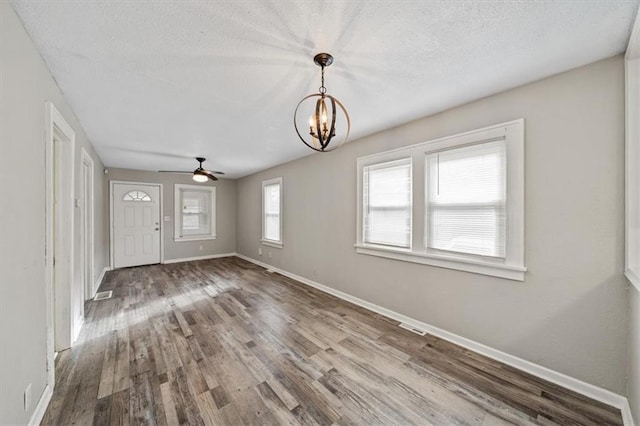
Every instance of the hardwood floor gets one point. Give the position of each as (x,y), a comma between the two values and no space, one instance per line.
(225,342)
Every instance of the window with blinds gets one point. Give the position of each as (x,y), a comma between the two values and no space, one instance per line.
(466,199)
(272,211)
(387,203)
(194,212)
(456,202)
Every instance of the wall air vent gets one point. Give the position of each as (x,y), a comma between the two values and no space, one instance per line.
(412,329)
(103,295)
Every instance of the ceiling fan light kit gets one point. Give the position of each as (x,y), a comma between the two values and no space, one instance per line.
(200,174)
(324,113)
(200,177)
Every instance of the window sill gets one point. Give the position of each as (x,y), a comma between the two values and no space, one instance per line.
(510,272)
(271,243)
(194,238)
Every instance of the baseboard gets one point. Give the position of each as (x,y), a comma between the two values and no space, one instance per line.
(633,278)
(576,385)
(627,417)
(189,259)
(41,408)
(98,282)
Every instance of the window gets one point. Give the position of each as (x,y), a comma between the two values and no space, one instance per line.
(272,212)
(136,196)
(387,203)
(466,199)
(467,193)
(195,212)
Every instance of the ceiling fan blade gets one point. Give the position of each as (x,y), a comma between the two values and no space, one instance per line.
(210,176)
(214,172)
(173,171)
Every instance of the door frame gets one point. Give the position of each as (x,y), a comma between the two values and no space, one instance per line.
(160,219)
(61,329)
(87,217)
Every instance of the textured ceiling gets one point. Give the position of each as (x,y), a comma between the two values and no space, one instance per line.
(154,82)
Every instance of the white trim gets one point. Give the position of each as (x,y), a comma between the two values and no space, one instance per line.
(76,330)
(632,169)
(41,408)
(183,239)
(627,416)
(633,48)
(576,385)
(267,241)
(177,222)
(98,282)
(512,267)
(500,270)
(160,222)
(633,279)
(189,259)
(271,243)
(58,297)
(87,282)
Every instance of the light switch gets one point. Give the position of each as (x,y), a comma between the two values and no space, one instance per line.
(167,218)
(77,202)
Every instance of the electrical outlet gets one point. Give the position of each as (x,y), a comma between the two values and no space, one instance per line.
(269,255)
(200,248)
(259,251)
(27,398)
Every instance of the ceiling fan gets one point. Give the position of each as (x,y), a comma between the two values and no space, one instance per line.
(200,174)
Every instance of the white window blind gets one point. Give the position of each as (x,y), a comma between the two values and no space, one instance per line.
(271,208)
(387,203)
(195,212)
(466,199)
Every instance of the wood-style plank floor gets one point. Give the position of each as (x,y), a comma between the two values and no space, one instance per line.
(224,342)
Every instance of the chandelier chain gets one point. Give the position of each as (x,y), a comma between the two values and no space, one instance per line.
(322,89)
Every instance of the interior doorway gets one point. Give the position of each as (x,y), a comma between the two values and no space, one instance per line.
(64,318)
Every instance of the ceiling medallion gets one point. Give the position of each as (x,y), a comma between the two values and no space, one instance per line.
(324,114)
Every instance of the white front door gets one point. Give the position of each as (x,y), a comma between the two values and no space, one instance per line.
(136,224)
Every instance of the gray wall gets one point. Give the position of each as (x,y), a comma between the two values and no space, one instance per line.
(634,353)
(225,241)
(570,313)
(25,85)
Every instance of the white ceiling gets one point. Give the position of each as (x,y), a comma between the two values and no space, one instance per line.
(155,82)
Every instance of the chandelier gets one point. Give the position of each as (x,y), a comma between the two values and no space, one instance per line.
(324,118)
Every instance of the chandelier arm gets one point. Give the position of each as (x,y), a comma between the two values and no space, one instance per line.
(332,129)
(317,122)
(295,123)
(346,116)
(347,131)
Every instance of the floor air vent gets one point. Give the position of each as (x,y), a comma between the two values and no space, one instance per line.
(103,295)
(412,329)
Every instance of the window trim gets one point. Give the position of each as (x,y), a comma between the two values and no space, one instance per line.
(266,241)
(177,202)
(512,267)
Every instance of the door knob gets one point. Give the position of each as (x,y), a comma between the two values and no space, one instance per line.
(157,229)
